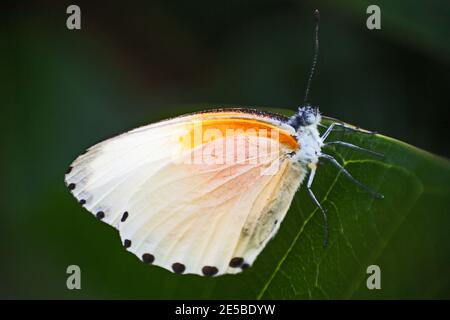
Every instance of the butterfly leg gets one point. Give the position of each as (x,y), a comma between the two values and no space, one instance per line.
(350,177)
(344,127)
(328,131)
(317,203)
(355,147)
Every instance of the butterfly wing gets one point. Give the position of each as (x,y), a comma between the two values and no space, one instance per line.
(200,194)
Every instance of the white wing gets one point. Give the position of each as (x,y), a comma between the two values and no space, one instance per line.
(183,205)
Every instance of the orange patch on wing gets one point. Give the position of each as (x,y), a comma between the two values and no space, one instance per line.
(202,132)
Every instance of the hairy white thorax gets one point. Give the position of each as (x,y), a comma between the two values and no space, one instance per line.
(310,143)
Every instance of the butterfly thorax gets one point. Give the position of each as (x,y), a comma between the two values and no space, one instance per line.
(310,145)
(306,121)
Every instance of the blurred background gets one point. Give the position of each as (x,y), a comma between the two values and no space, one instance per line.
(138,61)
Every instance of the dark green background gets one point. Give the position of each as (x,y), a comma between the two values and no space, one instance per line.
(136,61)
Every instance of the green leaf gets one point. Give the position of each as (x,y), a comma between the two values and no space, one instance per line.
(406,234)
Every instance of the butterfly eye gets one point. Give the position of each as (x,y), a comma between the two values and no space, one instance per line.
(307,115)
(309,118)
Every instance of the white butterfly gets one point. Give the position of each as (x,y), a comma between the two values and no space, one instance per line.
(204,193)
(206,206)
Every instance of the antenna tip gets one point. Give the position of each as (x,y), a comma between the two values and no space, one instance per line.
(317,14)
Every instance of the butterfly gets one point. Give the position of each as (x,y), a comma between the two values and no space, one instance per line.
(203,193)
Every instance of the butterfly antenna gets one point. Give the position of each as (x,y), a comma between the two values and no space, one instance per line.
(316,53)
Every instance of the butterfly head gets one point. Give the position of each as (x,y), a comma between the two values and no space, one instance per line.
(306,115)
